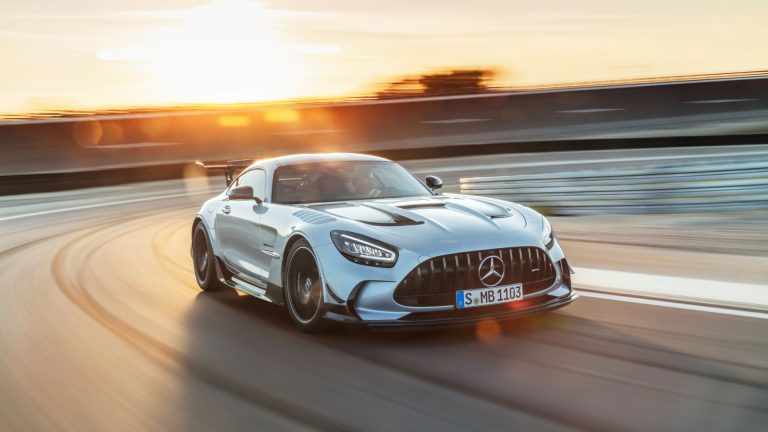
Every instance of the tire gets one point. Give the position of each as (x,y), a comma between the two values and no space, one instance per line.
(203,260)
(303,289)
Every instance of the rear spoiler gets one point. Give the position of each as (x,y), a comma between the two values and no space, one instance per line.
(230,168)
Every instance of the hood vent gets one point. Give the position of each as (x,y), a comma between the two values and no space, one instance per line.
(419,205)
(397,219)
(503,215)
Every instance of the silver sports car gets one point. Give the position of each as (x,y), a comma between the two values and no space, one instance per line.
(358,239)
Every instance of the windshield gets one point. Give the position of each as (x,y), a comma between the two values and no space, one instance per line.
(344,180)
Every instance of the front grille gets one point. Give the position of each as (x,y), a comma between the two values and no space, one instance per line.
(435,282)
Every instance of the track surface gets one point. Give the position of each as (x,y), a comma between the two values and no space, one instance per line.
(103,328)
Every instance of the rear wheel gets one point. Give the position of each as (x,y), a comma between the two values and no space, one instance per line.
(203,260)
(303,288)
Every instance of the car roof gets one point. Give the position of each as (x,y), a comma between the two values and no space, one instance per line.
(319,157)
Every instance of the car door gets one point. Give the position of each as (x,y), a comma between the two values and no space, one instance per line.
(237,225)
(271,216)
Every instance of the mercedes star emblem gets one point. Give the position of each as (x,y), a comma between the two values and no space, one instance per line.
(491,270)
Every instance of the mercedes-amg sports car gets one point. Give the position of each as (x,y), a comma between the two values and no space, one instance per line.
(358,239)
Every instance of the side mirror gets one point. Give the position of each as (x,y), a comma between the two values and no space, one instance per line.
(433,182)
(241,193)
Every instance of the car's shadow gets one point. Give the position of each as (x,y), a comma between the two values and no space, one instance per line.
(250,311)
(251,351)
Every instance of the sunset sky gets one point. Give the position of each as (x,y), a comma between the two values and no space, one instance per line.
(87,54)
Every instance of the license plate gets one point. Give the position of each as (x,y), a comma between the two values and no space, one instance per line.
(488,296)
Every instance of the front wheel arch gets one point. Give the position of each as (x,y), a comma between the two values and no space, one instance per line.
(316,323)
(198,221)
(288,244)
(204,259)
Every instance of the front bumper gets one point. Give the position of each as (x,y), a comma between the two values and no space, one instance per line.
(465,317)
(358,294)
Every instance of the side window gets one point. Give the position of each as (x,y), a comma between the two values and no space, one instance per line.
(256,179)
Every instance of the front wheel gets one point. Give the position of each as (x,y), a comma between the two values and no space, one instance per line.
(303,289)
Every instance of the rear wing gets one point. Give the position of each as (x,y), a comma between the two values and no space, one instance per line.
(230,168)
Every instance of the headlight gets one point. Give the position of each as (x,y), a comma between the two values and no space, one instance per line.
(547,236)
(364,250)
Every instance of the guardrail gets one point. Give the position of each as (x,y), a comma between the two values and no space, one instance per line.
(107,176)
(725,185)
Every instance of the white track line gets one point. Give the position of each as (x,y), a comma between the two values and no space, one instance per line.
(104,204)
(675,288)
(715,296)
(674,305)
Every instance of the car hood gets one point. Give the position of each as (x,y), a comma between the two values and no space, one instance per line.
(443,223)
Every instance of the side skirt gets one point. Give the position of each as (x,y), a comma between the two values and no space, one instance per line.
(267,292)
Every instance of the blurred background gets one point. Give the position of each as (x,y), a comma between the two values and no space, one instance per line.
(640,128)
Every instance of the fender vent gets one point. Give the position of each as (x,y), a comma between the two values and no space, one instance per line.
(313,217)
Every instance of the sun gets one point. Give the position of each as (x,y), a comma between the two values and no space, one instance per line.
(221,52)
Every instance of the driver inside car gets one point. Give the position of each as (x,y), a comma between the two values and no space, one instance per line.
(328,185)
(365,185)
